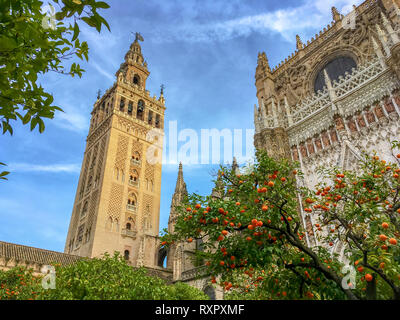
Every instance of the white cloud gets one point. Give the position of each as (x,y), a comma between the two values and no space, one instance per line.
(54,168)
(102,71)
(287,22)
(72,119)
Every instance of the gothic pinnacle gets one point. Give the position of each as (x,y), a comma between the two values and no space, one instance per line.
(263,61)
(299,43)
(336,16)
(180,183)
(235,165)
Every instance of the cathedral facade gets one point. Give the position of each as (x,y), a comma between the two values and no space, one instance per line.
(336,97)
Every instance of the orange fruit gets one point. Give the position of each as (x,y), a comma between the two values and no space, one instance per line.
(393,241)
(368,277)
(385,225)
(382,237)
(190,240)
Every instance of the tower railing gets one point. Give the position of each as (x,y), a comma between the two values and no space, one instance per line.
(134,183)
(131,207)
(136,162)
(128,233)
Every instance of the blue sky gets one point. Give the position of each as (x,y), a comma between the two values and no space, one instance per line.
(204,52)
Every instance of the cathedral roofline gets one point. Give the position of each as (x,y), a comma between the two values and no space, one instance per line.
(324,35)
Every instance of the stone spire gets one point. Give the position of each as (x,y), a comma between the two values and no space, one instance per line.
(235,165)
(180,188)
(262,63)
(178,197)
(299,43)
(336,16)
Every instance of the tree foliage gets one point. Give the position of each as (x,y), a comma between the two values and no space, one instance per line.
(256,243)
(34,42)
(106,278)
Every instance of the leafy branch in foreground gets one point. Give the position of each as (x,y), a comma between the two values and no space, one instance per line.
(33,42)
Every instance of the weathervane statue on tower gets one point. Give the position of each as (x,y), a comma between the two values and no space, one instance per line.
(138,37)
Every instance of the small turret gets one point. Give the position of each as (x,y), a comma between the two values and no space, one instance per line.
(218,190)
(336,16)
(262,63)
(299,43)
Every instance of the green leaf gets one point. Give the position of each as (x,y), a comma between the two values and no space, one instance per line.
(102,5)
(76,32)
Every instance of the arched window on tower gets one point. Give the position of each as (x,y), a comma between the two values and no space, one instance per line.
(140,110)
(150,118)
(131,203)
(84,209)
(158,121)
(109,224)
(147,225)
(136,79)
(136,159)
(89,185)
(134,179)
(130,107)
(96,181)
(87,234)
(126,255)
(122,105)
(128,226)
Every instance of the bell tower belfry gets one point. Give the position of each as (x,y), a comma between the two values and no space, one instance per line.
(117,204)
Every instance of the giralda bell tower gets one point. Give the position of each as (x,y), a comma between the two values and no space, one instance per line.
(117,204)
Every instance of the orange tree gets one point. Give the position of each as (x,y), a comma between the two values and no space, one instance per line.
(255,243)
(105,278)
